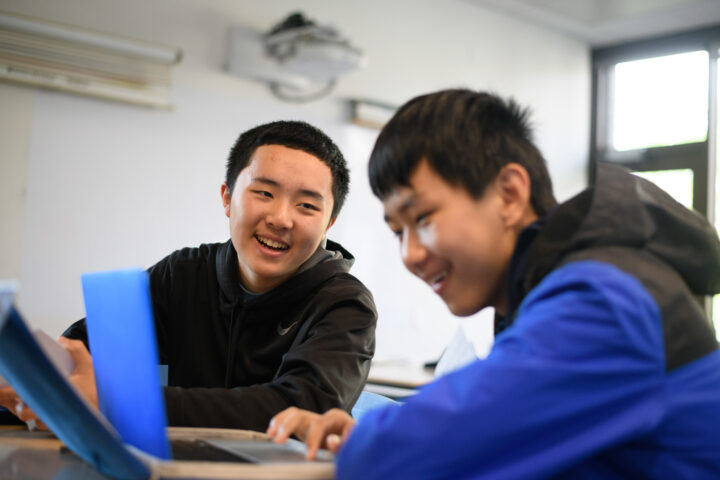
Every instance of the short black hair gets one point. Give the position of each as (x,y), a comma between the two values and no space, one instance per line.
(466,137)
(292,134)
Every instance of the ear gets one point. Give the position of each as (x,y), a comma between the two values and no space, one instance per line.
(332,222)
(225,194)
(513,185)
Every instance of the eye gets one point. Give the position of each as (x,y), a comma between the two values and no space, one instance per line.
(309,206)
(423,218)
(397,232)
(396,227)
(263,193)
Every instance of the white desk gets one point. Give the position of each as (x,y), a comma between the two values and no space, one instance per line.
(396,379)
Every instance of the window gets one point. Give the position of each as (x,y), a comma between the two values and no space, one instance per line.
(678,183)
(650,95)
(655,105)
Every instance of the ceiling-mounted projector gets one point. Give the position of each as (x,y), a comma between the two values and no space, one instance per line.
(298,59)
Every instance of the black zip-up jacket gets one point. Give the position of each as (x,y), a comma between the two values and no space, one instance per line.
(236,359)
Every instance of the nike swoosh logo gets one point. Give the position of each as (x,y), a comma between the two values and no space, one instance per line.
(282,331)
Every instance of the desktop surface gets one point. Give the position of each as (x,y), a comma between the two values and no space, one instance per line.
(400,374)
(40,455)
(397,379)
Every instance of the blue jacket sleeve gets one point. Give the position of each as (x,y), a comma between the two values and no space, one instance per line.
(581,369)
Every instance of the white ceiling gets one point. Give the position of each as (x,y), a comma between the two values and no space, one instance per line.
(605,22)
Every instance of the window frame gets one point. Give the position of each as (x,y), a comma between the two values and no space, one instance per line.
(699,156)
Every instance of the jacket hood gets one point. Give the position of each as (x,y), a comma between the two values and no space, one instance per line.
(624,210)
(338,261)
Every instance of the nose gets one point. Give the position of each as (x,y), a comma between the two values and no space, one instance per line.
(279,216)
(413,253)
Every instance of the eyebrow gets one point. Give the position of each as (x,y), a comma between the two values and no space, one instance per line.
(303,191)
(404,206)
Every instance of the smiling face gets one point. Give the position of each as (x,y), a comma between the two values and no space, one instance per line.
(279,211)
(459,245)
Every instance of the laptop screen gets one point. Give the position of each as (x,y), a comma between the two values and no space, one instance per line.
(121,334)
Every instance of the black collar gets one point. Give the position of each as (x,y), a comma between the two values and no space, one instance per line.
(514,290)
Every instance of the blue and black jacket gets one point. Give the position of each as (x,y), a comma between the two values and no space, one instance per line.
(606,366)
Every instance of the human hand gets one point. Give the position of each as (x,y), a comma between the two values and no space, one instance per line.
(329,430)
(83,376)
(10,400)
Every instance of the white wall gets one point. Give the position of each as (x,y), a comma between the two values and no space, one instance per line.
(15,117)
(90,184)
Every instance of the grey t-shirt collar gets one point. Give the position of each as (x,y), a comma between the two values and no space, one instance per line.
(320,255)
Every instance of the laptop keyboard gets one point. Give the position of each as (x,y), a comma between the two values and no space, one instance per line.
(199,450)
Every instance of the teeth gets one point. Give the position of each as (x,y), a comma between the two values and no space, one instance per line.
(437,278)
(271,243)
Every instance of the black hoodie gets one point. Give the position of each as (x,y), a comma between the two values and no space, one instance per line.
(236,359)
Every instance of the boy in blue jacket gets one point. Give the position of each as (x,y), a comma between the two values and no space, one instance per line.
(605,364)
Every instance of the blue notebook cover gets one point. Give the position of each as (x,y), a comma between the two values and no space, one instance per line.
(121,332)
(40,385)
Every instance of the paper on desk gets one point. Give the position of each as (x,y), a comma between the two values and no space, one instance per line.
(54,351)
(459,352)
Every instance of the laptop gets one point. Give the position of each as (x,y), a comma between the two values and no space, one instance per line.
(128,437)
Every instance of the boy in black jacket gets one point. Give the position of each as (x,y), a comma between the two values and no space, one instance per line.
(270,318)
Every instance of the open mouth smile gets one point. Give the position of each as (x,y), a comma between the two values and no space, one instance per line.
(436,282)
(272,244)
